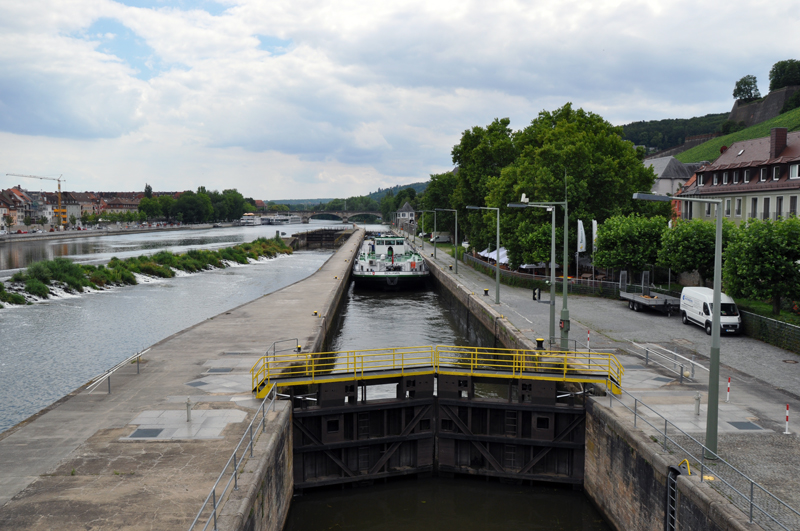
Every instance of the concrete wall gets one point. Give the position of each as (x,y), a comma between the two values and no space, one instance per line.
(626,475)
(265,482)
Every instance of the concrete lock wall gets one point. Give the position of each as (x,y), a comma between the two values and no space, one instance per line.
(626,477)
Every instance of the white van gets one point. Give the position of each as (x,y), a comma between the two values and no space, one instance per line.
(440,237)
(697,305)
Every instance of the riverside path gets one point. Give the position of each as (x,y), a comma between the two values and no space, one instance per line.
(130,459)
(764,378)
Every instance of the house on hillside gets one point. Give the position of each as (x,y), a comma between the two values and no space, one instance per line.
(671,174)
(757,178)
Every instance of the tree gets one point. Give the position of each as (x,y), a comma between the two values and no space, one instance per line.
(784,73)
(629,242)
(150,207)
(27,221)
(761,261)
(167,204)
(691,245)
(85,218)
(746,89)
(43,221)
(572,152)
(437,195)
(73,220)
(9,221)
(148,191)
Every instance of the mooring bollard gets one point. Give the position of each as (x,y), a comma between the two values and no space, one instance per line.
(486,291)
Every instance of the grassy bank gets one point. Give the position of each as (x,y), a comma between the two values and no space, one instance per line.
(40,276)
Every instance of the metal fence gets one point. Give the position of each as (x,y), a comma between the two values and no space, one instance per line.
(667,359)
(214,500)
(761,506)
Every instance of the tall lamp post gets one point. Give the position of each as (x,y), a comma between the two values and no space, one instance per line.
(551,209)
(455,241)
(564,325)
(496,250)
(713,371)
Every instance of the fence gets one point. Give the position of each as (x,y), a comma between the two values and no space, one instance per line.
(214,500)
(761,506)
(778,333)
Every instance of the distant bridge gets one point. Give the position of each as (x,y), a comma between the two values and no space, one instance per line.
(308,215)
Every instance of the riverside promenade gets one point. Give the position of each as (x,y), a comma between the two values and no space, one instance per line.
(130,459)
(751,424)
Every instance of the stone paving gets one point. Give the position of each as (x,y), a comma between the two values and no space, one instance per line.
(751,425)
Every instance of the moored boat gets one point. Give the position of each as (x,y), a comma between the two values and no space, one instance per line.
(387,262)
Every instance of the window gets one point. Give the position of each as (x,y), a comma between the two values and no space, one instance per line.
(753,207)
(725,178)
(736,177)
(686,210)
(793,205)
(766,208)
(716,179)
(746,176)
(708,209)
(763,175)
(739,206)
(701,179)
(776,173)
(778,207)
(542,423)
(793,171)
(728,207)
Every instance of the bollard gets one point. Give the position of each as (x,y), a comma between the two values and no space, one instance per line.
(486,291)
(697,403)
(787,421)
(188,410)
(728,396)
(539,343)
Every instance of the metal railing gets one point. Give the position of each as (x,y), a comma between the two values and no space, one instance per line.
(673,362)
(258,370)
(763,507)
(595,367)
(214,500)
(97,380)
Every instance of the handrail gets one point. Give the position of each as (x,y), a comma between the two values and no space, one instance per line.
(258,367)
(677,367)
(215,500)
(107,374)
(700,463)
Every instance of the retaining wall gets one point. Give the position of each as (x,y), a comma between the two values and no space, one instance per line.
(265,482)
(626,477)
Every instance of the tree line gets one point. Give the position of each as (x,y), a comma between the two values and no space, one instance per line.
(759,259)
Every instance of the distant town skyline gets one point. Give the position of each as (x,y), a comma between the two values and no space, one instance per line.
(339,98)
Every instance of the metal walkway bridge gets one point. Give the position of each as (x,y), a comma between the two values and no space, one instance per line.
(290,369)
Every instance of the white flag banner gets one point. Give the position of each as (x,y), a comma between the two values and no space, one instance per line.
(594,235)
(581,237)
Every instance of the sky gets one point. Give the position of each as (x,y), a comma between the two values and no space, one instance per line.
(301,99)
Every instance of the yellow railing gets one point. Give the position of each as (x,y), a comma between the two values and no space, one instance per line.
(592,367)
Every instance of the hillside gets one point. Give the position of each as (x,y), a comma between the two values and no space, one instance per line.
(664,134)
(710,150)
(418,187)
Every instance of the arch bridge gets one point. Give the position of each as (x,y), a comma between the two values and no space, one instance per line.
(307,215)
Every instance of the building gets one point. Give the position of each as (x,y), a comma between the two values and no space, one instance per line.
(122,205)
(757,178)
(671,174)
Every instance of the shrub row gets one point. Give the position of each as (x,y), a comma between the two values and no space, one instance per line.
(39,276)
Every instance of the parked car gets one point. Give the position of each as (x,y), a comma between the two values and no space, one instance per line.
(697,307)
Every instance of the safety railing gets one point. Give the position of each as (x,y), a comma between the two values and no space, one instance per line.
(258,370)
(97,380)
(535,364)
(210,509)
(761,506)
(667,360)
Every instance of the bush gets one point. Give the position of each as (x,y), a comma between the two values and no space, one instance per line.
(12,298)
(34,286)
(40,272)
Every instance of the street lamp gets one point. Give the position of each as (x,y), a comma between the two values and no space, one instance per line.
(455,241)
(565,288)
(713,371)
(496,250)
(551,209)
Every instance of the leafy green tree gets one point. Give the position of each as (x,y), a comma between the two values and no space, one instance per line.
(27,221)
(761,261)
(73,220)
(167,204)
(438,195)
(85,218)
(784,73)
(574,152)
(43,221)
(148,191)
(629,242)
(690,246)
(195,208)
(9,221)
(746,89)
(150,207)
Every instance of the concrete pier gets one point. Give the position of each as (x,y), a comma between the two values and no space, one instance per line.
(131,460)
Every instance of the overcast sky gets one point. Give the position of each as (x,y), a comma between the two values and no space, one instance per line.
(305,99)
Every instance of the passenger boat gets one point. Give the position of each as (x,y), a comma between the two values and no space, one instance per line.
(249,220)
(281,219)
(387,262)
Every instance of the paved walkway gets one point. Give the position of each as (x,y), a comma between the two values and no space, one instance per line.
(130,459)
(764,379)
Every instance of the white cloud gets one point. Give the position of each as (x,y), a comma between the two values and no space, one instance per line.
(310,98)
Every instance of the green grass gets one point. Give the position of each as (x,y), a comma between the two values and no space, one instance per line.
(764,308)
(710,150)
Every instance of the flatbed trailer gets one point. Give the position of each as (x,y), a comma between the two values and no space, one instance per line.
(663,303)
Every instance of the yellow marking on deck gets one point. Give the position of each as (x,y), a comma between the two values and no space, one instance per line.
(346,366)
